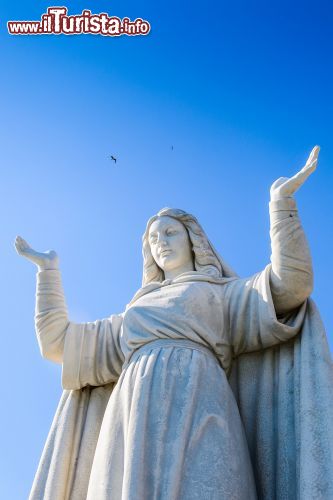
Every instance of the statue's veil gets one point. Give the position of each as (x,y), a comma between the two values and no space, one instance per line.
(206,258)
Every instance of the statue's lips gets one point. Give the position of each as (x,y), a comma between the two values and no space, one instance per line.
(165,252)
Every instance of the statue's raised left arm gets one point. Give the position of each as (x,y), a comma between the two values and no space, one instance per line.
(268,308)
(291,276)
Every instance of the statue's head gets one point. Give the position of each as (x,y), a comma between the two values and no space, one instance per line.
(174,239)
(170,244)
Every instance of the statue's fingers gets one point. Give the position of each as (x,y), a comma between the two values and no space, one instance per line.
(19,248)
(312,160)
(18,241)
(291,185)
(24,242)
(313,155)
(307,170)
(24,245)
(295,182)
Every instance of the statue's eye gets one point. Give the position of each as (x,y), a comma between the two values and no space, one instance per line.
(170,232)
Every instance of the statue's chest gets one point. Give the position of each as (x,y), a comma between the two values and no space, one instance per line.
(198,301)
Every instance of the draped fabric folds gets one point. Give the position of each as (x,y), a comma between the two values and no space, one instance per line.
(65,465)
(285,398)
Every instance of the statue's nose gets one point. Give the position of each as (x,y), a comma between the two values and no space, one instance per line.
(162,244)
(161,239)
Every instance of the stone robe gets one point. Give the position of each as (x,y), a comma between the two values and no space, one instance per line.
(148,411)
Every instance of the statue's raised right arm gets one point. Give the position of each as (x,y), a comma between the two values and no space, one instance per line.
(51,318)
(76,345)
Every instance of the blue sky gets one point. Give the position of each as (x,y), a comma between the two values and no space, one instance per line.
(241,90)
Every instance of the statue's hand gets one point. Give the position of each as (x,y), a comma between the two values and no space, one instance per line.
(44,260)
(286,187)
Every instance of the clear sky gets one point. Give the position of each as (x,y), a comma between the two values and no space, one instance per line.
(242,90)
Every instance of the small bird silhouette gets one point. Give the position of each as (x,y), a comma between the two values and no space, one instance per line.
(113,158)
(172,148)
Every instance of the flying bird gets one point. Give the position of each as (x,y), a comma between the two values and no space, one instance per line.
(113,158)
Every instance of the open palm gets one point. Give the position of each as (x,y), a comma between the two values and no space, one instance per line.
(286,187)
(44,260)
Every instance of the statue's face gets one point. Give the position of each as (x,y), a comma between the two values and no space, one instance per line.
(170,244)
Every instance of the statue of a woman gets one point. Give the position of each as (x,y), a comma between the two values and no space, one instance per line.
(148,412)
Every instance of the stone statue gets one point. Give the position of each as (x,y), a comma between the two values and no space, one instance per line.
(207,387)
